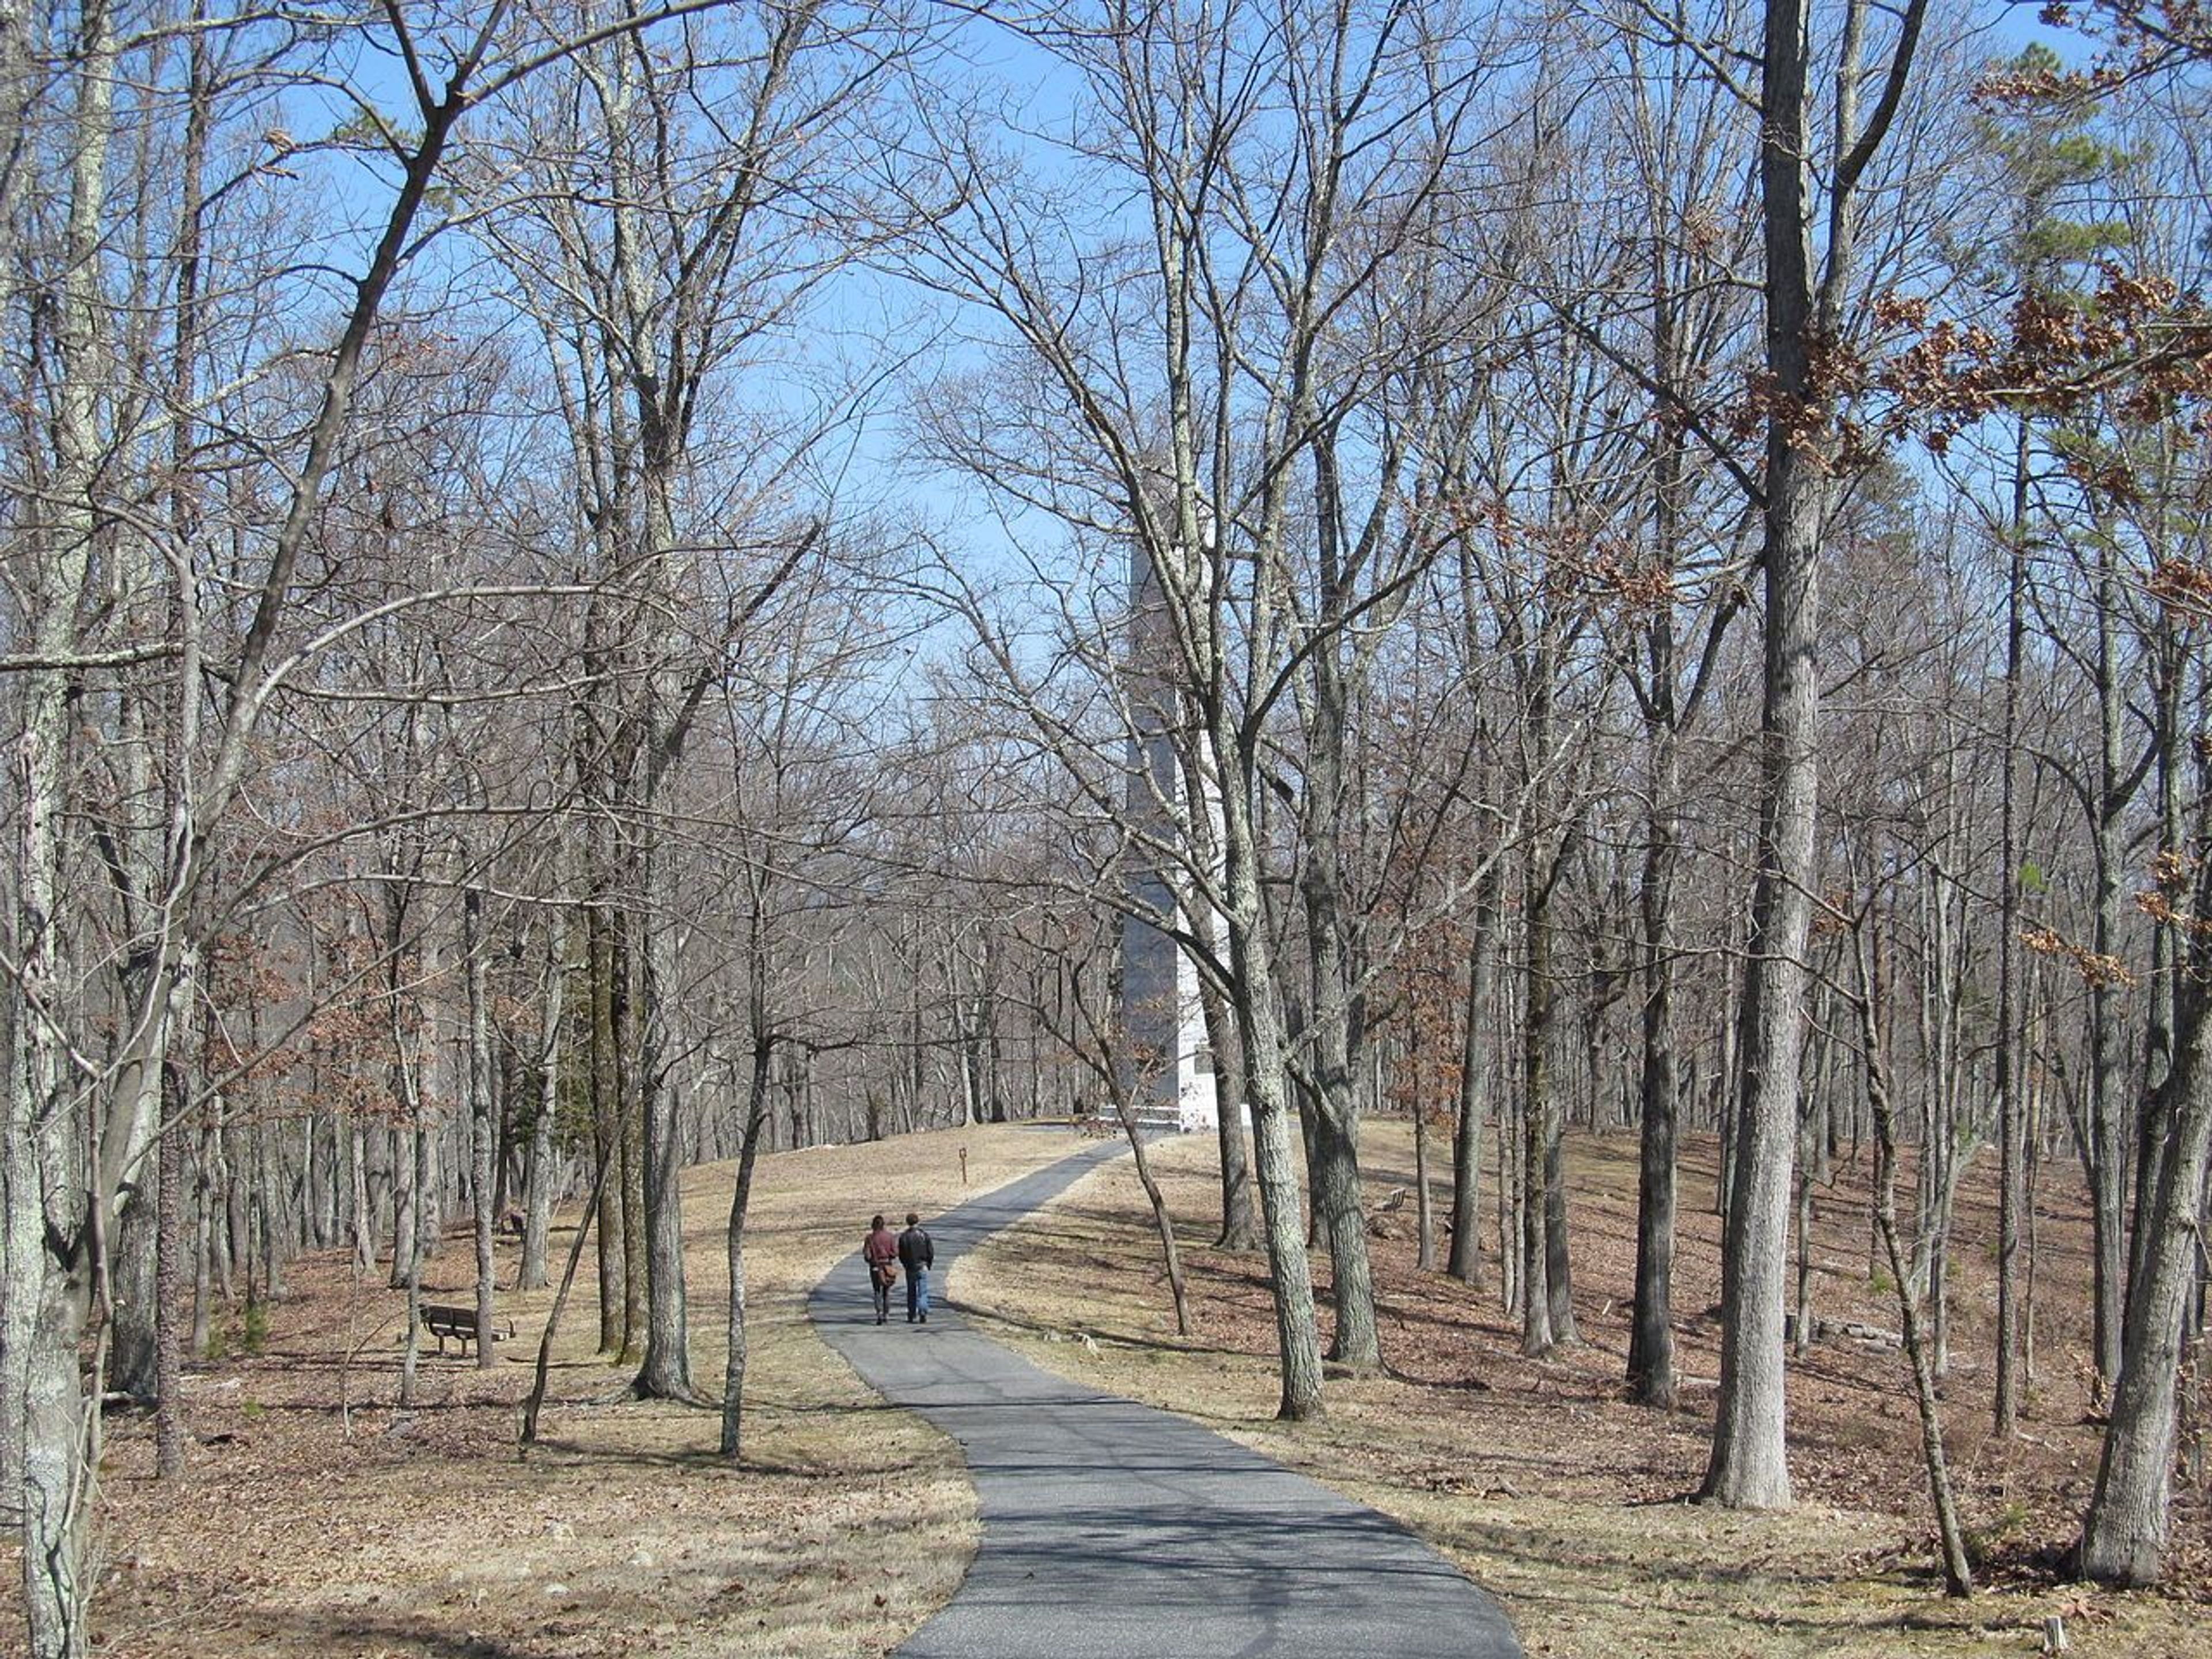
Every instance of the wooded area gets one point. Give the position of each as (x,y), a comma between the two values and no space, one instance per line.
(568,614)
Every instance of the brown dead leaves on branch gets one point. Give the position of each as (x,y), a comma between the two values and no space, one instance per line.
(2173,877)
(2143,36)
(2137,350)
(2097,969)
(2136,353)
(1569,561)
(2182,587)
(1825,421)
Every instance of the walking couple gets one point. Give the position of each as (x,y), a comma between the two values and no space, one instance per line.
(886,1253)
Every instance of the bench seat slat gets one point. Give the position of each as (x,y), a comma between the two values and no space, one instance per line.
(442,1319)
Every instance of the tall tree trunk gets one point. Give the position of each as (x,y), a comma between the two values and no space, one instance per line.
(1425,1209)
(170,1246)
(204,1241)
(48,1263)
(1163,1222)
(2105,1156)
(1651,1337)
(1240,1228)
(1749,1465)
(537,1217)
(484,1128)
(1275,1168)
(411,1352)
(1559,1266)
(406,1230)
(630,1075)
(2011,1119)
(1336,1040)
(1334,1177)
(1728,1106)
(1958,1576)
(665,1373)
(2168,957)
(733,1373)
(132,1286)
(272,1211)
(2125,1533)
(1541,1127)
(364,1206)
(536,1400)
(237,1219)
(607,1117)
(1465,1261)
(1257,1003)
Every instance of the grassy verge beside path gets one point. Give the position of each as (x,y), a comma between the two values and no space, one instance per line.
(1552,1490)
(316,1521)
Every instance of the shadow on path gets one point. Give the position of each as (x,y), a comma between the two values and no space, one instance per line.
(1111,1529)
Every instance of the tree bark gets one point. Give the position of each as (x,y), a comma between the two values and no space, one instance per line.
(1957,1575)
(1240,1228)
(1464,1263)
(1651,1336)
(537,1217)
(170,1245)
(733,1373)
(1274,1160)
(411,1354)
(1749,1465)
(665,1373)
(484,1129)
(47,1266)
(2105,1156)
(364,1206)
(133,1273)
(2126,1531)
(2011,1119)
(1539,1119)
(1425,1213)
(607,1116)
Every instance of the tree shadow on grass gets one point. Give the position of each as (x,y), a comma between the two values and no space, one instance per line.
(1005,1319)
(420,1634)
(875,1407)
(1772,1592)
(702,1461)
(696,1458)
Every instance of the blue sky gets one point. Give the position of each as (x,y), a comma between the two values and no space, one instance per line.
(871,316)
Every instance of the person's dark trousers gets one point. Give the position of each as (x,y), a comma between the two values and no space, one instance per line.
(883,1299)
(917,1295)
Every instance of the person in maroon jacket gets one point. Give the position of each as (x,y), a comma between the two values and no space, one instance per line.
(880,1251)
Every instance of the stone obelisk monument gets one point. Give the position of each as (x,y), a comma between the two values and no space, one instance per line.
(1169,1066)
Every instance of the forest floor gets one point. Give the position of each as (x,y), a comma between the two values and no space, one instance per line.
(317,1520)
(1566,1501)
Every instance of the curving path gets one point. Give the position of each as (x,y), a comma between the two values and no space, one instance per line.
(1113,1531)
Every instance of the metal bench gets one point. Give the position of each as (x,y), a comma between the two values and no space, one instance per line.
(460,1324)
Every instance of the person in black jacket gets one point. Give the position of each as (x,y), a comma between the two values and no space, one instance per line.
(916,1255)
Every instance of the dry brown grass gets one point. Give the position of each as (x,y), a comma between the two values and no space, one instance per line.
(1555,1492)
(317,1521)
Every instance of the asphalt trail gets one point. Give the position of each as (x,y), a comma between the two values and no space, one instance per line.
(1114,1531)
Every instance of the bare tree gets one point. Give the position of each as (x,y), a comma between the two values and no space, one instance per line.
(1804,302)
(74,1140)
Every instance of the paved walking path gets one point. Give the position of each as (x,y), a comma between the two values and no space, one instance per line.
(1113,1531)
